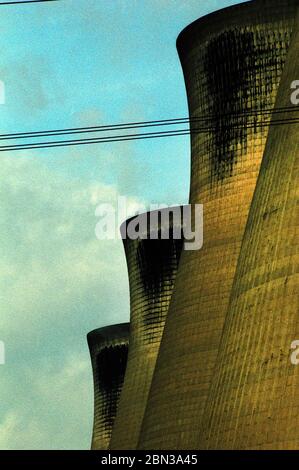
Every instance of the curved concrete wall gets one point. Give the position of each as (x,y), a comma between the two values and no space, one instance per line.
(254,399)
(152,266)
(108,348)
(232,62)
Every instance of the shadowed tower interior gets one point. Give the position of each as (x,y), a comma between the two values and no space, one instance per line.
(152,267)
(108,348)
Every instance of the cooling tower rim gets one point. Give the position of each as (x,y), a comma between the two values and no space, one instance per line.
(109,334)
(243,14)
(124,224)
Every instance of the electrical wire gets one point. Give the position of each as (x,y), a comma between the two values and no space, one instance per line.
(142,124)
(20,2)
(149,135)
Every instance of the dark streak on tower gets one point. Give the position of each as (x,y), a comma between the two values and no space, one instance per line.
(232,61)
(152,267)
(233,90)
(108,350)
(254,396)
(157,260)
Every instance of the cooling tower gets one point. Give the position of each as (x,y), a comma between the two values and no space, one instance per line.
(232,62)
(254,401)
(152,266)
(108,348)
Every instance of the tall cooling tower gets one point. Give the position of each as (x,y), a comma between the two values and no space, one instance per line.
(254,401)
(232,62)
(108,348)
(152,266)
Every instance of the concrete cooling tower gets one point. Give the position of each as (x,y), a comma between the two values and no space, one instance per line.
(254,399)
(232,61)
(108,348)
(152,266)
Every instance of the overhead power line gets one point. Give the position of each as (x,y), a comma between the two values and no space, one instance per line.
(144,124)
(20,2)
(148,135)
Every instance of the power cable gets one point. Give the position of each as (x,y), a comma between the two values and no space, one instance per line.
(141,124)
(128,137)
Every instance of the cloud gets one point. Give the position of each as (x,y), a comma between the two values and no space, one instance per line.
(53,405)
(58,281)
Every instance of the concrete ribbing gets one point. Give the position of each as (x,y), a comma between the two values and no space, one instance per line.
(152,267)
(232,62)
(254,399)
(108,348)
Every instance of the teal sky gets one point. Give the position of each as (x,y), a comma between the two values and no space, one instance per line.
(77,63)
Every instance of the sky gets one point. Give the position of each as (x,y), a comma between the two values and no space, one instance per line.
(76,63)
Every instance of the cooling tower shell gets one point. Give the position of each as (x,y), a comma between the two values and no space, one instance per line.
(152,266)
(232,62)
(254,398)
(108,348)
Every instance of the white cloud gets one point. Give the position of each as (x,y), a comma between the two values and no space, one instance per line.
(55,411)
(57,282)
